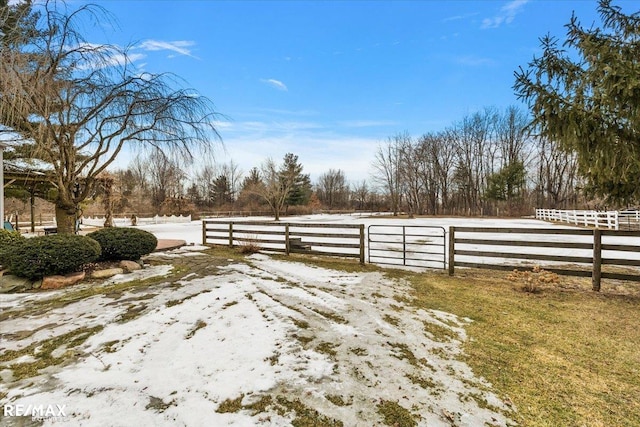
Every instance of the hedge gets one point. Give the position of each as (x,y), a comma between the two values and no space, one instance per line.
(9,240)
(123,243)
(54,254)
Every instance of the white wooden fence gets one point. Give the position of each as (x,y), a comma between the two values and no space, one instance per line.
(597,219)
(126,221)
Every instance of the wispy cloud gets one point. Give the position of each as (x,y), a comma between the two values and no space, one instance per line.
(506,15)
(179,46)
(459,17)
(275,83)
(110,56)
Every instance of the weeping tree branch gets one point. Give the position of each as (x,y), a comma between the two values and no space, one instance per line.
(81,104)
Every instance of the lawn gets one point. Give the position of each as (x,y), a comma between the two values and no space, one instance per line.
(563,356)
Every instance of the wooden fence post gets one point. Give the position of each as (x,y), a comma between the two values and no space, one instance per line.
(287,246)
(204,232)
(230,234)
(596,275)
(404,246)
(452,248)
(361,243)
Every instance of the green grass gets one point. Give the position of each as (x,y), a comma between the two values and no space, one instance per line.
(337,400)
(565,356)
(327,348)
(303,416)
(42,352)
(83,292)
(439,333)
(395,415)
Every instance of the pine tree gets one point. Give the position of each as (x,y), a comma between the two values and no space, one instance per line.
(221,192)
(586,96)
(293,178)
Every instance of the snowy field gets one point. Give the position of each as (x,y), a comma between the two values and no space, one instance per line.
(266,334)
(192,233)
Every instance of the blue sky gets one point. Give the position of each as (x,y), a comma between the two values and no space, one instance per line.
(331,80)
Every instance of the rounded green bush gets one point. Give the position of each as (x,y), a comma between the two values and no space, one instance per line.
(122,243)
(9,240)
(54,254)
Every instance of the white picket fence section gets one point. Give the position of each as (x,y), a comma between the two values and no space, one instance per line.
(597,219)
(126,221)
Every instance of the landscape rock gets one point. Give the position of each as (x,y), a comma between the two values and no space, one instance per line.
(109,272)
(37,284)
(11,283)
(129,266)
(57,282)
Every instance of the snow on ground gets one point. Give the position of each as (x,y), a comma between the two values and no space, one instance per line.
(192,232)
(340,343)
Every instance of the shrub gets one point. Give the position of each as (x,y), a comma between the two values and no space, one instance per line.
(8,242)
(122,243)
(250,246)
(533,280)
(54,254)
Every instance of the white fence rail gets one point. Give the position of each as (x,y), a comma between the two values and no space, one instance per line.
(127,221)
(598,219)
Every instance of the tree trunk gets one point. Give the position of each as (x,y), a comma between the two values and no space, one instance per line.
(65,219)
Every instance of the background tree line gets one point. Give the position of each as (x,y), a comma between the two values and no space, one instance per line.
(486,163)
(157,184)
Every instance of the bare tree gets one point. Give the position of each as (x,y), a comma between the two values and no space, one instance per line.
(275,186)
(512,137)
(386,164)
(248,196)
(476,157)
(413,179)
(165,178)
(556,175)
(332,189)
(79,104)
(360,195)
(426,152)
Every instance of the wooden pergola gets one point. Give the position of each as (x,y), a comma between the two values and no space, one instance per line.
(36,183)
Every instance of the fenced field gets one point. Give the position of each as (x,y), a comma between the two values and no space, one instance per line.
(127,220)
(613,220)
(575,251)
(344,240)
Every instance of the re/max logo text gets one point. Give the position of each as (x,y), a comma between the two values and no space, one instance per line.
(35,411)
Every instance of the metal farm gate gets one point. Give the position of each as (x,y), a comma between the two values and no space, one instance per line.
(407,245)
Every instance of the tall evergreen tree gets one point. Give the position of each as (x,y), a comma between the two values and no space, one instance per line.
(221,192)
(585,95)
(298,183)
